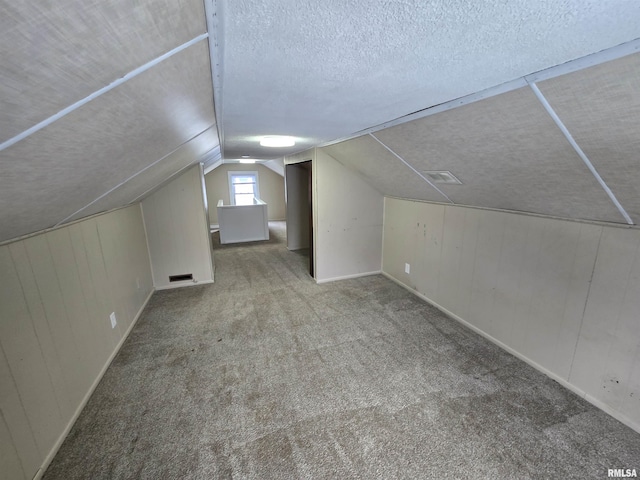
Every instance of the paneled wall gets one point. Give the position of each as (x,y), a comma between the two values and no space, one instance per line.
(57,290)
(178,231)
(270,184)
(562,295)
(348,221)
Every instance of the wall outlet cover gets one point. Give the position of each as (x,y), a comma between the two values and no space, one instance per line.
(407,268)
(113,319)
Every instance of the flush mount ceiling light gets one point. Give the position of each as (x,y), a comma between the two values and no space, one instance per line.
(442,176)
(244,160)
(246,156)
(277,141)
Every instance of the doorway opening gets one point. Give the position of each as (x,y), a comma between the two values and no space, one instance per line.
(299,193)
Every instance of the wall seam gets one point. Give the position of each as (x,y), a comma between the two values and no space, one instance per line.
(13,444)
(586,302)
(76,343)
(35,332)
(24,410)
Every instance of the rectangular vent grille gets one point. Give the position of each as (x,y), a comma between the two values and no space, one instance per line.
(443,176)
(181,278)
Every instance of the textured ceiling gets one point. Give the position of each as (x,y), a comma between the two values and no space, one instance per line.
(100,102)
(53,54)
(382,170)
(154,175)
(325,70)
(601,108)
(508,153)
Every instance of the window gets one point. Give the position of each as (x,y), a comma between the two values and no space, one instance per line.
(243,186)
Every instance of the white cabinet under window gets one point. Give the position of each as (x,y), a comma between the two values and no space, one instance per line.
(243,188)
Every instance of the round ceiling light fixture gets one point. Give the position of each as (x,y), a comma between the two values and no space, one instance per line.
(277,141)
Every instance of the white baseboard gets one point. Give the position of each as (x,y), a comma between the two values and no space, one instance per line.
(186,283)
(347,277)
(562,381)
(49,458)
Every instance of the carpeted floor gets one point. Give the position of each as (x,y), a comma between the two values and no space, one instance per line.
(265,374)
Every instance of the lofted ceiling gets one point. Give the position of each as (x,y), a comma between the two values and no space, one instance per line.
(102,102)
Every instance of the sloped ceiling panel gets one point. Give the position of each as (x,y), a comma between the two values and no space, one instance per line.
(56,53)
(62,168)
(509,154)
(146,181)
(382,170)
(600,106)
(322,70)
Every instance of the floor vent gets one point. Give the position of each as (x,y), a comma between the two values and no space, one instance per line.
(181,278)
(443,176)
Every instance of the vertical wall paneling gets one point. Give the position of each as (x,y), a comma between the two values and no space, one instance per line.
(57,289)
(509,270)
(428,235)
(584,260)
(23,443)
(74,304)
(96,324)
(103,289)
(561,295)
(452,240)
(9,459)
(608,351)
(485,267)
(13,412)
(63,336)
(24,357)
(116,261)
(466,269)
(41,326)
(177,232)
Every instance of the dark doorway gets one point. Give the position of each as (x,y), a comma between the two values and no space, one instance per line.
(299,197)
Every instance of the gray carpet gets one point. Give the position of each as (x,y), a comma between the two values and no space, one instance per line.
(265,374)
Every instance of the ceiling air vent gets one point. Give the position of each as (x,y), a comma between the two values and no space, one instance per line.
(442,176)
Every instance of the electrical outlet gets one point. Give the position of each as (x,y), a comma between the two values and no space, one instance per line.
(407,268)
(113,319)
(138,283)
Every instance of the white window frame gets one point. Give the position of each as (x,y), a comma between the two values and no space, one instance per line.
(231,174)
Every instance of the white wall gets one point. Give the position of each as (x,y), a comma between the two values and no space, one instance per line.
(178,231)
(562,295)
(270,185)
(243,223)
(348,224)
(57,290)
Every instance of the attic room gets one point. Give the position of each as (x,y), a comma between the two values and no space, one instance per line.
(449,281)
